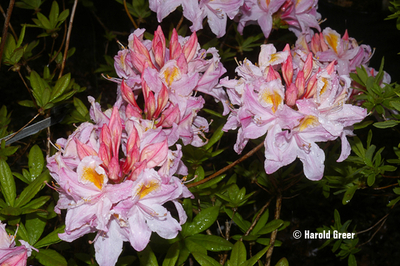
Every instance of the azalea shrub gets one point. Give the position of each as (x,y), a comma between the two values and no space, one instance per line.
(202,135)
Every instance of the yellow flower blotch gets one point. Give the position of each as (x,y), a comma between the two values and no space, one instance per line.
(90,174)
(307,121)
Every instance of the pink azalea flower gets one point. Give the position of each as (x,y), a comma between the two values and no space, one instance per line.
(169,77)
(304,104)
(329,46)
(9,253)
(216,12)
(105,174)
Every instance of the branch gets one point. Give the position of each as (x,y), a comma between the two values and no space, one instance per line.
(226,168)
(275,232)
(129,15)
(71,20)
(5,27)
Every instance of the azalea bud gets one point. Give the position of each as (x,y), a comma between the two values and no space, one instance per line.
(175,48)
(190,47)
(287,67)
(158,46)
(291,95)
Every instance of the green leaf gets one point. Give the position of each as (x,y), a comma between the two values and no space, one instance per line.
(282,262)
(61,84)
(51,238)
(26,103)
(49,257)
(45,97)
(386,124)
(30,191)
(371,179)
(271,226)
(193,246)
(352,260)
(238,254)
(261,222)
(35,161)
(211,242)
(63,16)
(35,226)
(7,183)
(215,137)
(35,204)
(238,219)
(44,21)
(37,83)
(253,260)
(211,182)
(53,16)
(204,260)
(202,221)
(147,257)
(348,195)
(172,255)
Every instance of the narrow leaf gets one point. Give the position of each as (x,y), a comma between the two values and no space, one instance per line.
(7,183)
(35,161)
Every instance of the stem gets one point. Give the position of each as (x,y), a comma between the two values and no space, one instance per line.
(179,23)
(61,46)
(275,232)
(11,28)
(129,15)
(26,86)
(5,27)
(226,168)
(257,218)
(27,124)
(71,20)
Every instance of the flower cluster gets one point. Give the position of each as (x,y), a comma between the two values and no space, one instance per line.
(328,46)
(9,253)
(108,182)
(303,105)
(169,79)
(115,175)
(299,16)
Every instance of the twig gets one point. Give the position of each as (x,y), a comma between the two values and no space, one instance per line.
(5,27)
(275,232)
(379,228)
(129,15)
(392,185)
(226,168)
(71,20)
(11,28)
(26,86)
(257,218)
(366,230)
(27,124)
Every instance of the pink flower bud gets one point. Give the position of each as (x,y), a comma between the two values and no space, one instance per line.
(175,48)
(190,47)
(291,95)
(158,46)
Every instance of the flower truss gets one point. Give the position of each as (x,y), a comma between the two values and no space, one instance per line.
(299,16)
(328,46)
(301,105)
(169,79)
(9,253)
(216,12)
(115,175)
(108,183)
